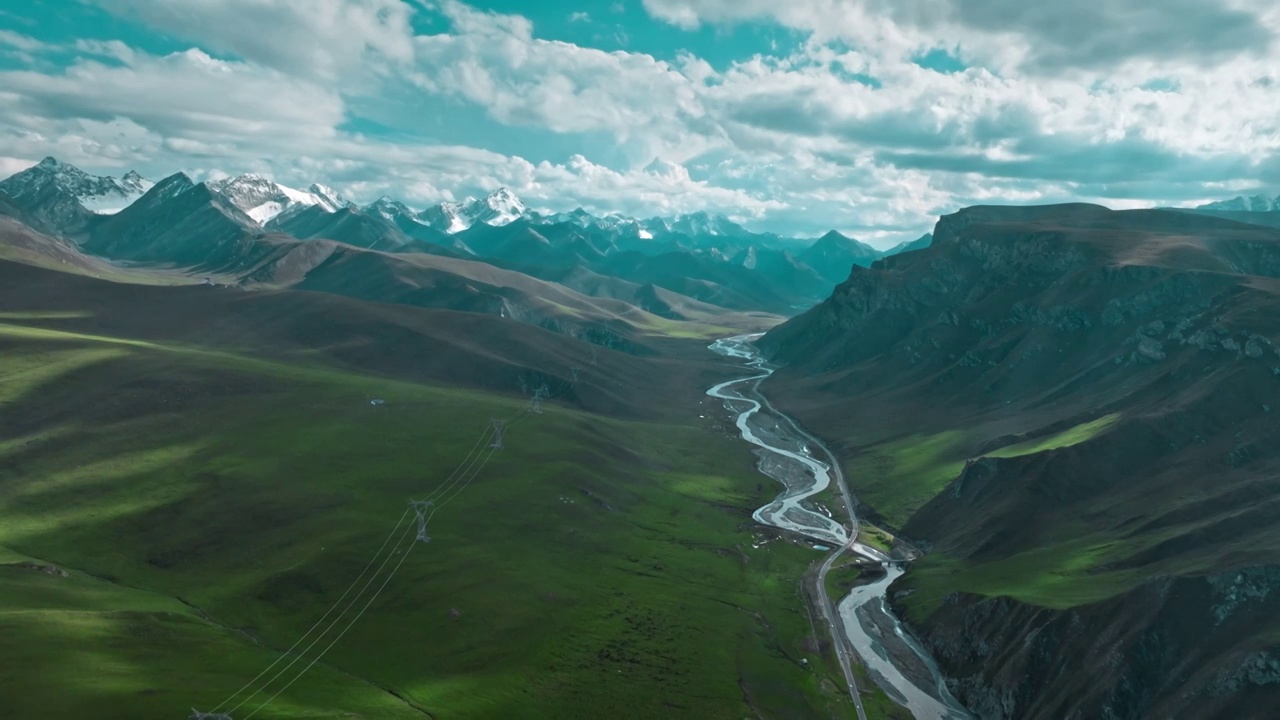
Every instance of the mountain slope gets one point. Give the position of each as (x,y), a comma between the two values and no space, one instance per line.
(500,207)
(919,243)
(1266,219)
(833,255)
(347,225)
(180,223)
(436,281)
(60,199)
(23,244)
(1068,407)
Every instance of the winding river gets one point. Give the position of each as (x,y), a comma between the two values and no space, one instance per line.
(862,621)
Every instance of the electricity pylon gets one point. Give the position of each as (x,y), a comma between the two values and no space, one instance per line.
(420,508)
(499,427)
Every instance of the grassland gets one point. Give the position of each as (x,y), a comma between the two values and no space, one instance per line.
(1062,575)
(898,476)
(209,505)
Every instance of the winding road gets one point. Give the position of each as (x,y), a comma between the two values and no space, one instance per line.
(862,624)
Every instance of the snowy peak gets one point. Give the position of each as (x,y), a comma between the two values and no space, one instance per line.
(504,206)
(162,192)
(99,194)
(263,199)
(389,209)
(698,223)
(1257,203)
(500,207)
(330,198)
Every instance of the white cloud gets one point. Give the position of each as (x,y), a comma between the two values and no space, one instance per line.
(18,41)
(845,132)
(186,94)
(494,61)
(313,39)
(1008,33)
(579,17)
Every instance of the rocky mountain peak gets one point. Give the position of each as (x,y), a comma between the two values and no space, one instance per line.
(264,199)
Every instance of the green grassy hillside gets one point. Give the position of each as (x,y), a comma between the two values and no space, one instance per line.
(208,506)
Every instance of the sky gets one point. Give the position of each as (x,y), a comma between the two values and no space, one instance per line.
(871,117)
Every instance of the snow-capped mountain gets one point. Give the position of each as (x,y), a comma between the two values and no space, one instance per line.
(63,200)
(392,210)
(699,223)
(500,207)
(332,200)
(1257,203)
(103,195)
(612,222)
(263,199)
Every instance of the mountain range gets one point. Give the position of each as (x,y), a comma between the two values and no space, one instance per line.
(1255,203)
(227,227)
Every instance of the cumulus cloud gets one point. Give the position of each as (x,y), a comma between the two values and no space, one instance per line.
(851,130)
(495,61)
(18,41)
(188,95)
(314,39)
(1047,36)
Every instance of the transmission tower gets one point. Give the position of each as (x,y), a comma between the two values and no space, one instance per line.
(420,508)
(197,715)
(499,427)
(538,396)
(573,372)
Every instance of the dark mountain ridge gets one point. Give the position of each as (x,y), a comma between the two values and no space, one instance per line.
(1069,407)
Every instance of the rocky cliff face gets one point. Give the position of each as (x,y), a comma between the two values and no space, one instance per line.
(1169,648)
(1085,400)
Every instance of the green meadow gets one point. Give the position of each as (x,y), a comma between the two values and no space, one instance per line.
(208,507)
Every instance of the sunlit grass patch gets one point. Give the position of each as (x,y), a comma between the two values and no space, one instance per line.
(46,315)
(1071,436)
(898,477)
(1058,576)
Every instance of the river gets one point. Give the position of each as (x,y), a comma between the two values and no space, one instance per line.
(866,624)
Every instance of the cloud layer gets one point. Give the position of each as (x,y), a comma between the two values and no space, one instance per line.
(883,116)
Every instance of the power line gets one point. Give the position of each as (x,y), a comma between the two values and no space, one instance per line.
(324,632)
(445,488)
(377,592)
(317,623)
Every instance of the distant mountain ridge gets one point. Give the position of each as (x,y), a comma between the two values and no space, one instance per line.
(56,197)
(100,194)
(264,200)
(1240,203)
(210,227)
